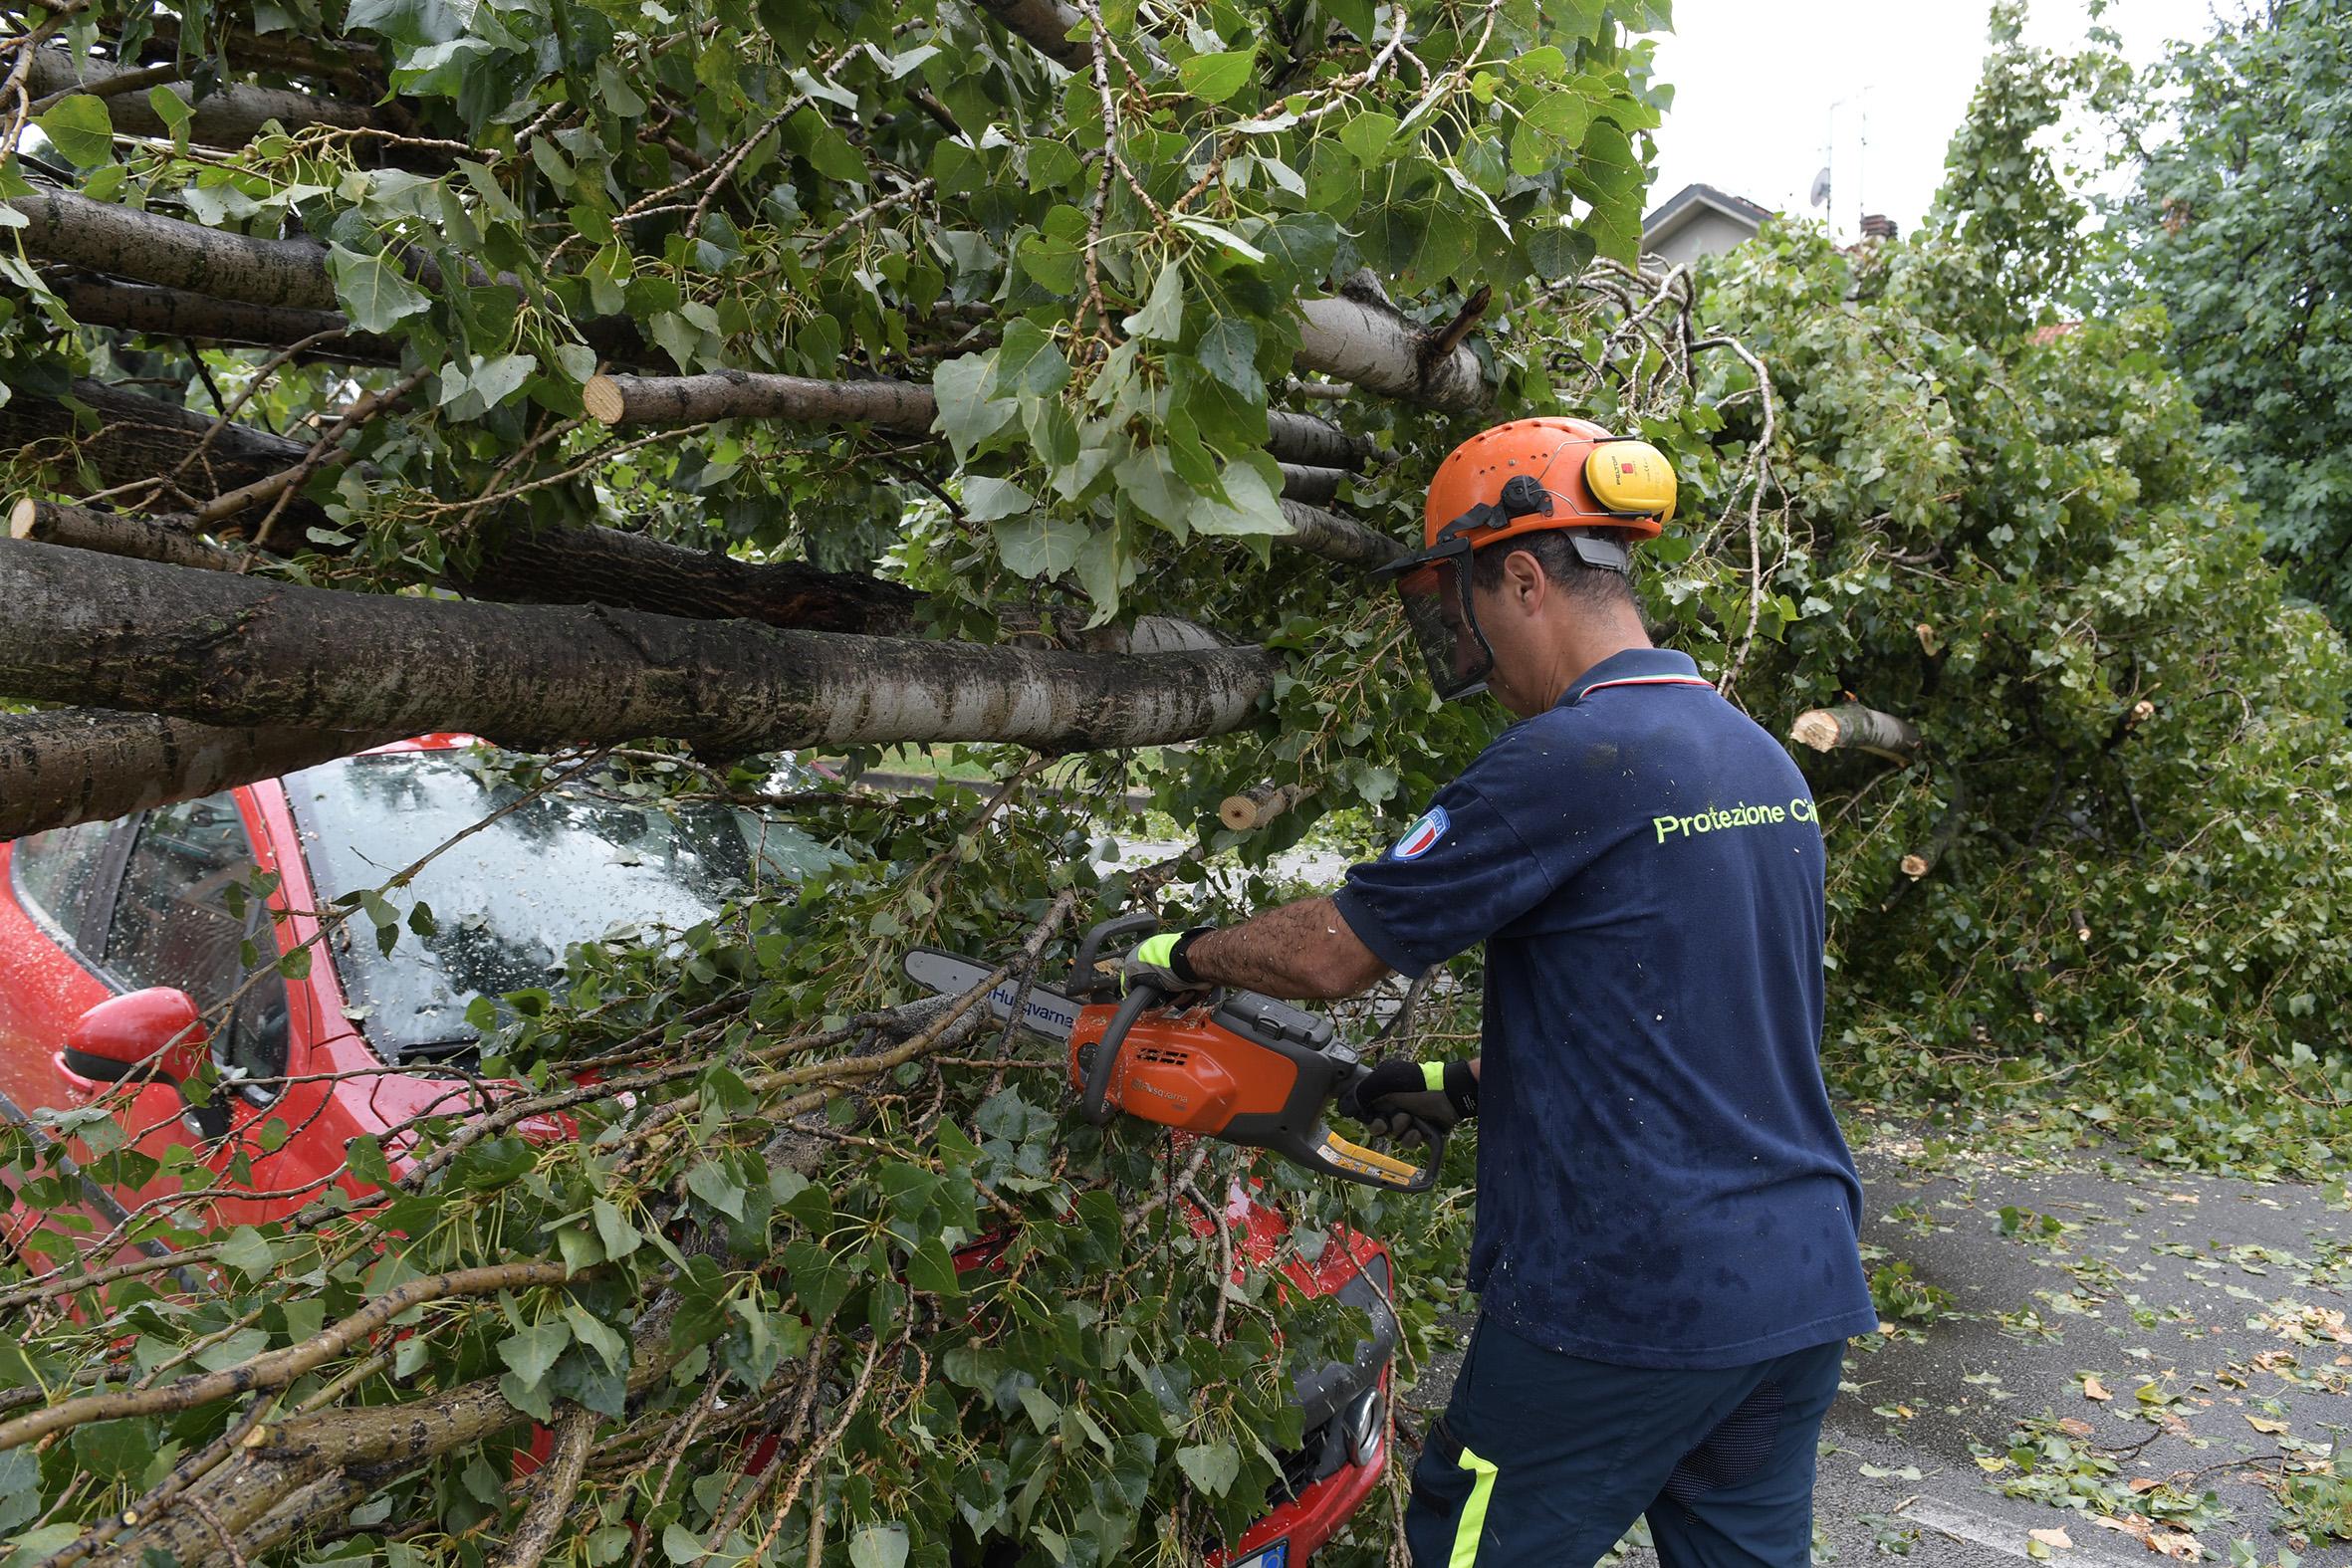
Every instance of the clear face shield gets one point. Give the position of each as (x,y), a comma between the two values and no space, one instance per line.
(1435,590)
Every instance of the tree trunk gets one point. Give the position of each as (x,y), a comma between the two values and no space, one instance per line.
(227,116)
(175,312)
(224,649)
(87,765)
(1852,727)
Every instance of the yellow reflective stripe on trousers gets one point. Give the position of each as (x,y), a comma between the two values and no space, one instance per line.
(1472,1523)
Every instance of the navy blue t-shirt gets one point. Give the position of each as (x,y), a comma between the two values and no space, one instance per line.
(1660,1179)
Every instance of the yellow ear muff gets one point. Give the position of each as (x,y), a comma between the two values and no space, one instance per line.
(1631,478)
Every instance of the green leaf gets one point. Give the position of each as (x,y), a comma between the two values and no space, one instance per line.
(967,415)
(170,109)
(81,128)
(1039,547)
(249,1252)
(1210,1466)
(598,1335)
(1228,350)
(819,1278)
(529,1353)
(1368,137)
(372,289)
(1162,315)
(1215,78)
(986,499)
(711,1182)
(613,1228)
(1250,505)
(878,1546)
(1028,362)
(931,1268)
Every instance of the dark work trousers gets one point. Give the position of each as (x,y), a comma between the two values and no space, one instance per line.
(1544,1460)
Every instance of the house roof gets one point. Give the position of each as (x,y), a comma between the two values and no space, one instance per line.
(1692,200)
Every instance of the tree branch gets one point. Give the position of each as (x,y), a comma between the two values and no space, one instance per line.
(227,116)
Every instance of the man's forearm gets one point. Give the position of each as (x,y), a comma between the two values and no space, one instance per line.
(1302,951)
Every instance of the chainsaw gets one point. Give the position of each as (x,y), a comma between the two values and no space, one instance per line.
(1232,1065)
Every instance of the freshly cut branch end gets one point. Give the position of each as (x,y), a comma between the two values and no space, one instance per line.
(1852,727)
(1259,806)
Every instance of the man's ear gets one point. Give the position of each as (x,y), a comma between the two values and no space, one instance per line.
(1523,579)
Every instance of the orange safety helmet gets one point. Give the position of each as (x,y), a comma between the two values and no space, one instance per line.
(1606,491)
(1588,478)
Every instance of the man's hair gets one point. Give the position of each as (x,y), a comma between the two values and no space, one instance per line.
(1596,586)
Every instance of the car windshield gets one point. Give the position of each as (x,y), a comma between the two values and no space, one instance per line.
(510,899)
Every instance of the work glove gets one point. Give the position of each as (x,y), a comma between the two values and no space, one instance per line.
(1394,1094)
(1161,961)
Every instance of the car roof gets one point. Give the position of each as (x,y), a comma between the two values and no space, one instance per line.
(439,741)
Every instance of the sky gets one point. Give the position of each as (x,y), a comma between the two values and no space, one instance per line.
(1764,88)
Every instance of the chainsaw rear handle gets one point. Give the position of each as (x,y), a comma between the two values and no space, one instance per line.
(1352,1161)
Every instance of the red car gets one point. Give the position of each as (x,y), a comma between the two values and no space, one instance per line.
(115,936)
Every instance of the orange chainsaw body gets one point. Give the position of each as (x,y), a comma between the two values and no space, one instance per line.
(1184,1071)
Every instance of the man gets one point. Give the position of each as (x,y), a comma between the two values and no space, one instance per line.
(1665,1248)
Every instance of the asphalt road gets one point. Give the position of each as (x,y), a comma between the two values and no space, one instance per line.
(2212,1312)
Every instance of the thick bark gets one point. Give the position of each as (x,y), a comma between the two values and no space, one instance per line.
(743,394)
(1317,443)
(1315,486)
(1372,345)
(116,534)
(104,237)
(1336,537)
(603,566)
(1297,440)
(1852,727)
(141,437)
(89,764)
(136,437)
(280,275)
(175,312)
(1046,25)
(225,649)
(230,116)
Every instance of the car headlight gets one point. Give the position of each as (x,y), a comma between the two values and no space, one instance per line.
(1366,1426)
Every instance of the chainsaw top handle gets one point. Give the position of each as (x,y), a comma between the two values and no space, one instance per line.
(1083,982)
(1142,996)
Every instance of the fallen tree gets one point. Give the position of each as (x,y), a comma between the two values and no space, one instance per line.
(219,648)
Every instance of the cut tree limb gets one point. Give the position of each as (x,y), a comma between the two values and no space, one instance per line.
(116,534)
(223,649)
(1375,347)
(742,395)
(230,116)
(1852,727)
(104,237)
(1315,486)
(89,765)
(1336,537)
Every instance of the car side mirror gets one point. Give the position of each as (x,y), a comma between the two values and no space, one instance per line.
(141,1035)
